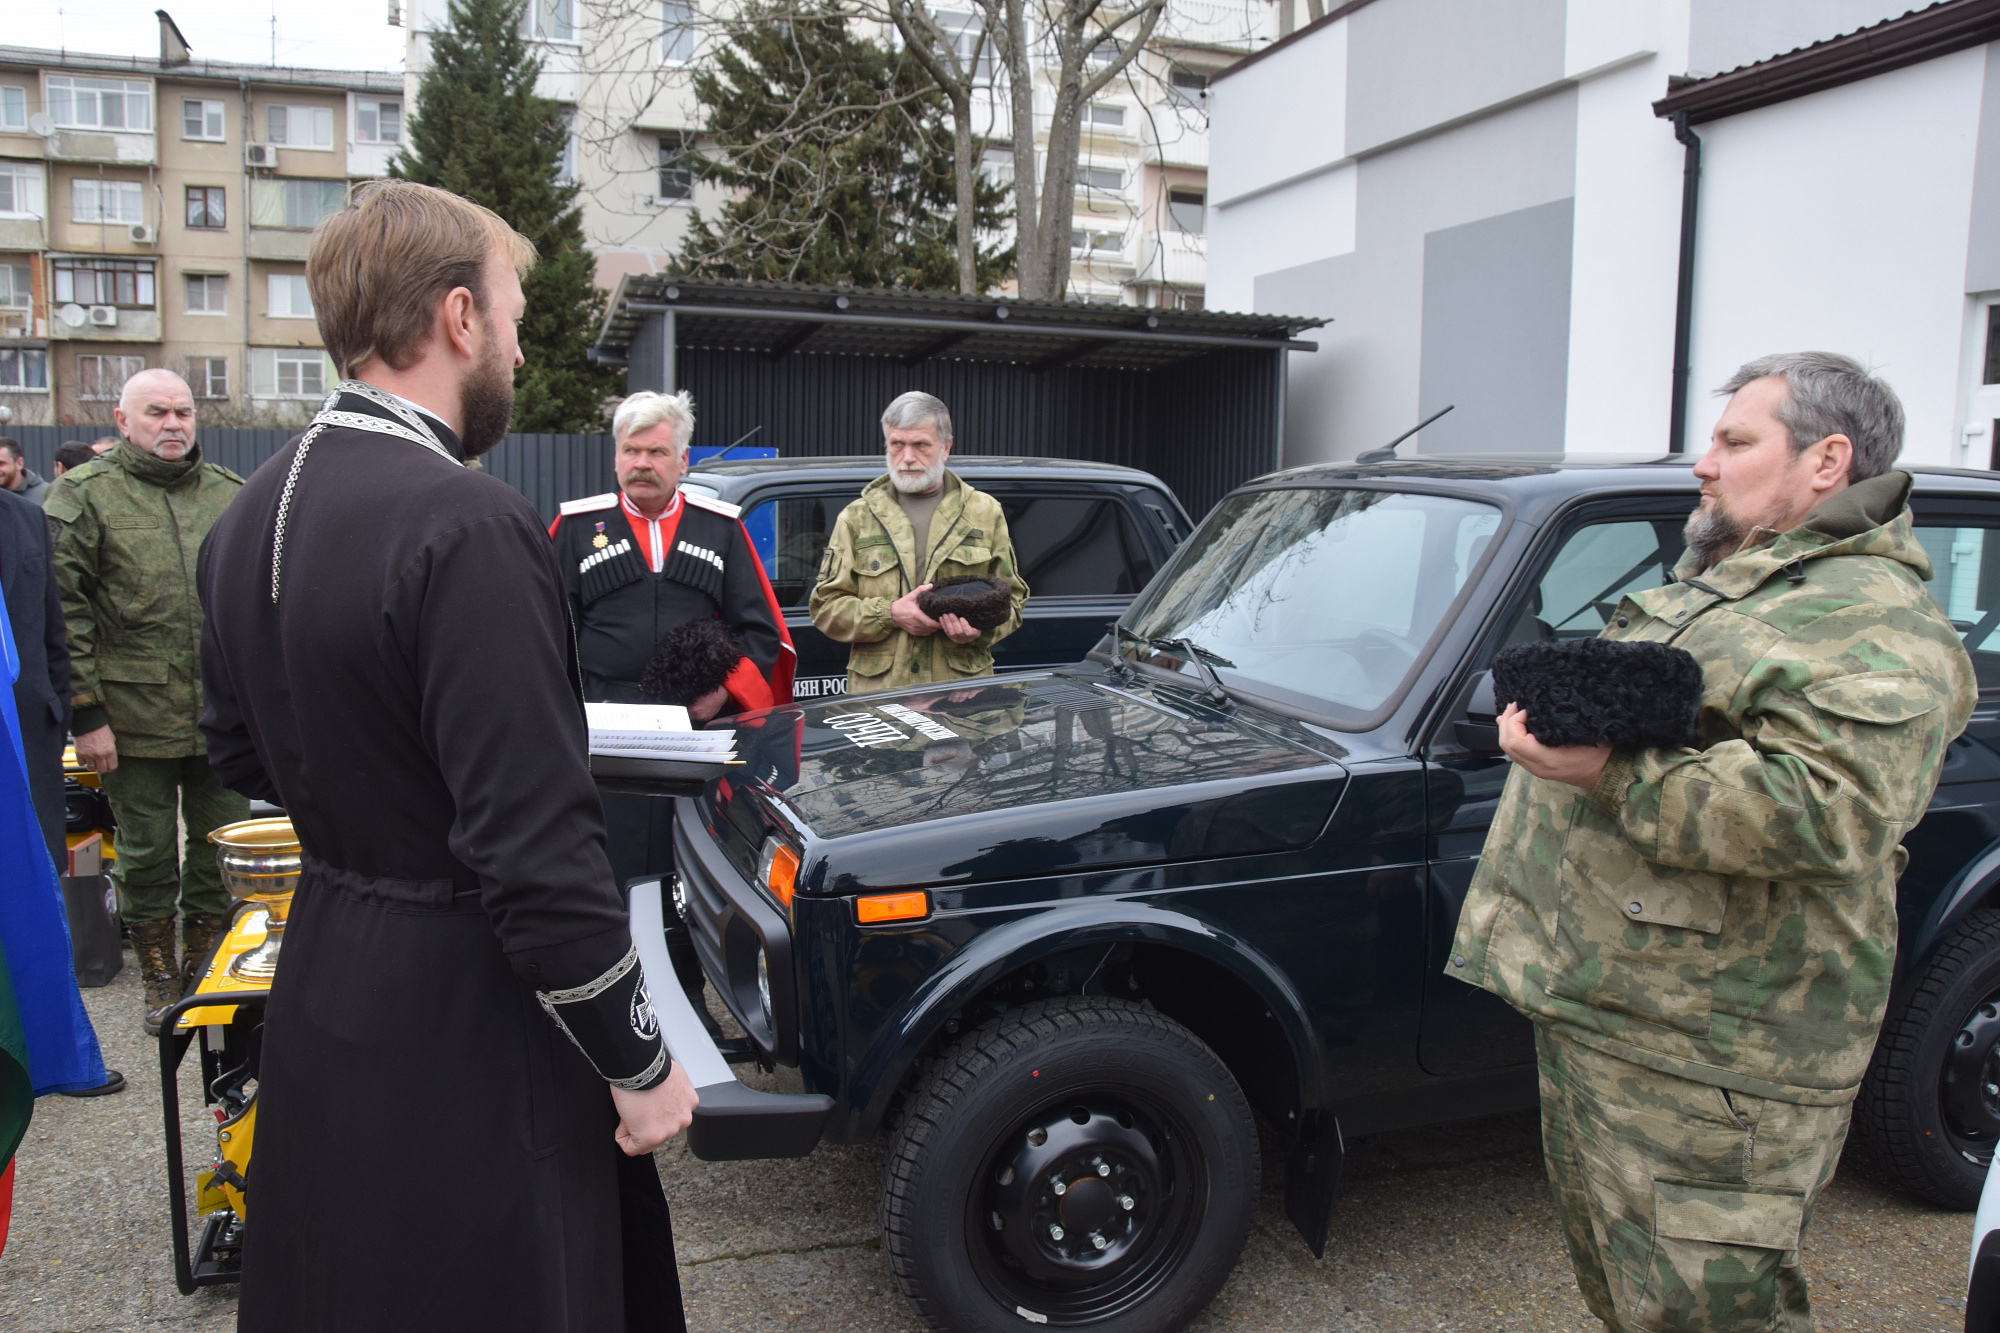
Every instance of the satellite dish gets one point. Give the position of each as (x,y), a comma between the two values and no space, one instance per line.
(73,315)
(42,123)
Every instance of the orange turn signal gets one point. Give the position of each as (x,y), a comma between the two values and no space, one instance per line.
(782,874)
(893,907)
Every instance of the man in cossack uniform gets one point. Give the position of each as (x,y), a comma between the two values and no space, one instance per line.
(641,562)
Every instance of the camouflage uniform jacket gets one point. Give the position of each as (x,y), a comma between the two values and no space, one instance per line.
(872,559)
(1727,913)
(128,527)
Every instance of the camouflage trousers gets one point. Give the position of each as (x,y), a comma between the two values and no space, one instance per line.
(153,800)
(1683,1205)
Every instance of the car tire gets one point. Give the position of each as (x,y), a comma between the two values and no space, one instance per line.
(1924,1109)
(1134,1116)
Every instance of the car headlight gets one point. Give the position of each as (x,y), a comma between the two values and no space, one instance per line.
(778,871)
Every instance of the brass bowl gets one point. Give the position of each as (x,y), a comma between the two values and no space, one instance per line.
(260,861)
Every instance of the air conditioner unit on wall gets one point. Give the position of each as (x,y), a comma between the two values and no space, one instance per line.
(143,234)
(259,155)
(104,316)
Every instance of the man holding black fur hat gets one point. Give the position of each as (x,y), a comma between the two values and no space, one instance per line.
(918,528)
(644,560)
(1705,934)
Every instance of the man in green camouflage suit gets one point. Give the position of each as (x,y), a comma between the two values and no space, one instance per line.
(128,526)
(911,528)
(1705,937)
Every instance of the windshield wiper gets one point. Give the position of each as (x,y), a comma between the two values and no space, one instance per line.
(1192,651)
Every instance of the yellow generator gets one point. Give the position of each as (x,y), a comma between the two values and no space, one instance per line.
(222,1016)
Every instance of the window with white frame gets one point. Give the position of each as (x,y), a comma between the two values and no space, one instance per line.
(677,32)
(550,20)
(997,165)
(201,119)
(566,165)
(207,293)
(1099,178)
(15,293)
(13,107)
(24,368)
(107,201)
(119,282)
(378,122)
(294,201)
(676,175)
(288,297)
(1107,117)
(288,372)
(208,376)
(101,104)
(1096,242)
(1187,87)
(1188,211)
(1104,52)
(101,379)
(963,32)
(299,126)
(21,190)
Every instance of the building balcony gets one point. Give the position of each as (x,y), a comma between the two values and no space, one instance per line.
(23,234)
(127,326)
(1177,258)
(135,150)
(284,244)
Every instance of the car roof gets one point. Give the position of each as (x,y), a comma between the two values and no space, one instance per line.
(1539,479)
(732,477)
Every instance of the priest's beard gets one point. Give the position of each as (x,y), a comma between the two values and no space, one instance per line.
(486,402)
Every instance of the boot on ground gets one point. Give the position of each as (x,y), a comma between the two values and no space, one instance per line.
(153,942)
(199,932)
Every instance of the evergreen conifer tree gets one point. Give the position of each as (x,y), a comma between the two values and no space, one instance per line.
(481,132)
(839,154)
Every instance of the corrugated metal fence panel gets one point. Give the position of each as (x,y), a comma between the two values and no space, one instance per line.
(548,469)
(1203,426)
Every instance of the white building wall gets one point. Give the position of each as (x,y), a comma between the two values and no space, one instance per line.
(1839,222)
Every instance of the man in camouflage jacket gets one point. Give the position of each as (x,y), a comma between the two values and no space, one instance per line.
(127,527)
(877,561)
(1706,937)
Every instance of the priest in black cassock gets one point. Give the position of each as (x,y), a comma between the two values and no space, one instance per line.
(462,1076)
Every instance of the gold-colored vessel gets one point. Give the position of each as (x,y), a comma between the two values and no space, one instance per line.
(260,860)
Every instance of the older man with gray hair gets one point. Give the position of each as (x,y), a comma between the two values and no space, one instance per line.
(644,560)
(914,527)
(128,526)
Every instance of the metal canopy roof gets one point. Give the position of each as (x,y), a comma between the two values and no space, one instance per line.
(778,319)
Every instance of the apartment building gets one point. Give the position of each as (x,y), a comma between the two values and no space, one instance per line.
(157,213)
(626,71)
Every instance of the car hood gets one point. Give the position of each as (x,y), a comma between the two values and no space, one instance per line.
(1019,776)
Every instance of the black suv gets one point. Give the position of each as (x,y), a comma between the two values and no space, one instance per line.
(1063,935)
(1087,537)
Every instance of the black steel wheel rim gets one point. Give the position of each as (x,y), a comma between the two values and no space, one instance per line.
(1084,1208)
(1970,1087)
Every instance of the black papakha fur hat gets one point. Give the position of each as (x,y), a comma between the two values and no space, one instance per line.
(983,602)
(1602,692)
(693,661)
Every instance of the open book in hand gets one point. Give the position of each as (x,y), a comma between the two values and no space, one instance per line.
(655,731)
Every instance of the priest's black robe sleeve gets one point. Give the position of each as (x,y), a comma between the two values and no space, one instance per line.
(232,753)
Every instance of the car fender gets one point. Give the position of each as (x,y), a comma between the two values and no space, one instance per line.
(1030,938)
(1967,889)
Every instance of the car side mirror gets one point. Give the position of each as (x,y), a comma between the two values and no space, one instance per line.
(1479,730)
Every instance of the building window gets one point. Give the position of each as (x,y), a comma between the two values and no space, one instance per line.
(1992,349)
(13,107)
(1188,301)
(677,32)
(207,293)
(201,120)
(1104,52)
(1188,210)
(1187,87)
(15,293)
(566,167)
(101,379)
(204,207)
(100,104)
(286,372)
(299,126)
(107,201)
(551,20)
(997,165)
(208,376)
(676,175)
(1099,178)
(295,201)
(1097,242)
(1111,117)
(963,32)
(288,297)
(20,190)
(119,282)
(24,368)
(378,122)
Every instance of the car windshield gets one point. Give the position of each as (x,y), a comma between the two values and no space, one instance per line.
(1321,598)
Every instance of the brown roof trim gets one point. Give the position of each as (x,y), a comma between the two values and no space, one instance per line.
(1892,44)
(1333,15)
